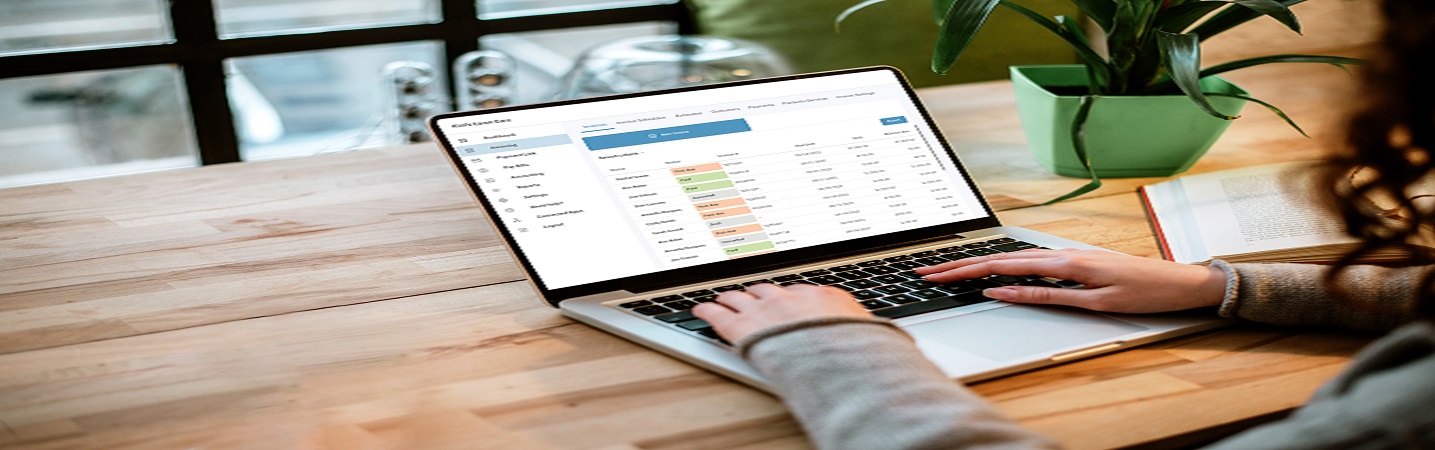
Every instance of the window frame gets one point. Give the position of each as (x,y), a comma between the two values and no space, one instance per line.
(199,52)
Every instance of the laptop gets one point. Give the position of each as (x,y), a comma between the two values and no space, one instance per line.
(626,211)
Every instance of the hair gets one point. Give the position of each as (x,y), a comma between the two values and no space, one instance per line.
(1389,140)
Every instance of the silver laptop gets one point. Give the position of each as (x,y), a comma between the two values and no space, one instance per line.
(626,211)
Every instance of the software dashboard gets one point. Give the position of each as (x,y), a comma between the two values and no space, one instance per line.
(609,189)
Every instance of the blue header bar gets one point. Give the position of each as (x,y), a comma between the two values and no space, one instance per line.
(668,134)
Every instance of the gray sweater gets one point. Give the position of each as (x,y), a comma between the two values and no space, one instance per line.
(863,385)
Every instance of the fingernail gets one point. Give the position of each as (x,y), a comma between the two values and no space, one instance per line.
(1000,293)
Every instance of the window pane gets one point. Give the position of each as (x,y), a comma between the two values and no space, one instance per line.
(29,26)
(299,104)
(493,9)
(545,56)
(253,17)
(93,124)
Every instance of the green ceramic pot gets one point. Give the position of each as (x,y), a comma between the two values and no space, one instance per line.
(1152,136)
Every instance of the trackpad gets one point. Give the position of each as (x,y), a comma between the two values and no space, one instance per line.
(1019,331)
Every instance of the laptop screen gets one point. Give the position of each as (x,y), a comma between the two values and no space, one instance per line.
(604,189)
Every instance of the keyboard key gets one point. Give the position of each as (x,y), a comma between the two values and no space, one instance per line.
(919,284)
(853,275)
(863,284)
(936,304)
(1006,279)
(889,279)
(844,268)
(889,290)
(826,279)
(898,258)
(905,265)
(844,287)
(981,252)
(931,261)
(730,287)
(927,294)
(1002,240)
(900,299)
(816,273)
(668,298)
(865,295)
(1012,247)
(704,299)
(975,245)
(676,317)
(698,293)
(926,254)
(786,278)
(712,334)
(957,255)
(652,310)
(681,305)
(694,325)
(952,249)
(875,304)
(880,270)
(872,263)
(750,283)
(631,305)
(954,289)
(978,284)
(790,283)
(910,275)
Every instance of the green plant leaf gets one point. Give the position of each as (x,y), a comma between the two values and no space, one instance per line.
(1099,66)
(1178,18)
(1272,108)
(1166,84)
(1275,9)
(1181,56)
(1100,11)
(837,24)
(1337,61)
(1078,143)
(939,10)
(960,26)
(1229,18)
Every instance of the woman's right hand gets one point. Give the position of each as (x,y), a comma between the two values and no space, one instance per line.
(1114,282)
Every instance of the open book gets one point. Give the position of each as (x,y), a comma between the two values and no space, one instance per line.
(1266,213)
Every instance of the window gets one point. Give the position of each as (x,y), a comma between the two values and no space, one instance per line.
(235,80)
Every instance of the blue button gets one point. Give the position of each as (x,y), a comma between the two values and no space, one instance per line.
(668,134)
(894,120)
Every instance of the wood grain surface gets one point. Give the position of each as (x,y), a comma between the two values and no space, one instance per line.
(360,300)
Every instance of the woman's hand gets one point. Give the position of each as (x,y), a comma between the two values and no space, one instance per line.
(737,314)
(1114,282)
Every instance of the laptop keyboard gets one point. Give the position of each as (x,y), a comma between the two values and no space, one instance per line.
(888,287)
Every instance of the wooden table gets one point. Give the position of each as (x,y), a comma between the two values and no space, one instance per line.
(359,300)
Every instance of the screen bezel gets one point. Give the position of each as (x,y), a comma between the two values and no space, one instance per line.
(722,269)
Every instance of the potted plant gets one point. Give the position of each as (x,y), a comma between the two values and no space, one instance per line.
(1159,110)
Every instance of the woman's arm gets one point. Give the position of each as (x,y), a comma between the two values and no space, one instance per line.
(1379,298)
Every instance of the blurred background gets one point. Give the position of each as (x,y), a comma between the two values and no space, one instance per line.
(92,88)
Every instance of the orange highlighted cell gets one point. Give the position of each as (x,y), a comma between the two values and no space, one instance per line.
(737,230)
(726,212)
(709,167)
(703,206)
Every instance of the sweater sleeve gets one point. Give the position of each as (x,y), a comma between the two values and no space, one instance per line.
(883,395)
(1381,298)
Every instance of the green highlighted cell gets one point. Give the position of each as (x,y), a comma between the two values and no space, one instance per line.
(702,177)
(691,188)
(753,247)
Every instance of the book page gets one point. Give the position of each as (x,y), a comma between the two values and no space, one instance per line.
(1259,209)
